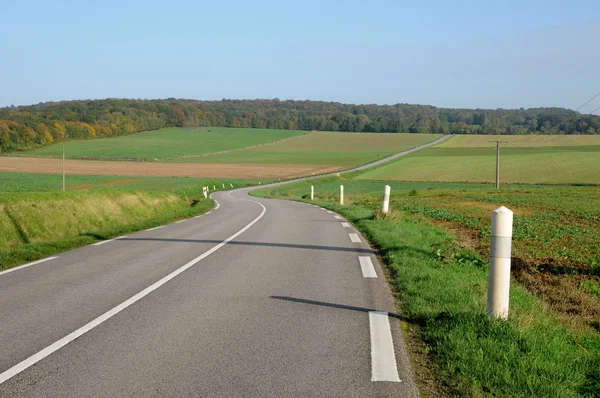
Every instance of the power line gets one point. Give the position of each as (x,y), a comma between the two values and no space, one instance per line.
(598,108)
(593,98)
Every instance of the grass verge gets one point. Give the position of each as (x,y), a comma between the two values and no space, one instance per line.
(34,225)
(442,293)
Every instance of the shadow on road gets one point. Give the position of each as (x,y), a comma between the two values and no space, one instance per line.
(267,244)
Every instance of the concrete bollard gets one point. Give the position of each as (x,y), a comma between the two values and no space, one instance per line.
(500,254)
(312,192)
(341,194)
(385,205)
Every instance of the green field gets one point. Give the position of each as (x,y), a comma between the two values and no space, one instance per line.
(524,159)
(325,148)
(164,144)
(34,182)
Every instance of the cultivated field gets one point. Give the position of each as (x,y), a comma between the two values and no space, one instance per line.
(524,159)
(324,148)
(160,169)
(166,143)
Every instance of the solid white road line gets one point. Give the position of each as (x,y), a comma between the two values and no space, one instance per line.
(345,225)
(338,217)
(155,228)
(106,241)
(18,368)
(383,359)
(27,265)
(366,266)
(180,221)
(354,238)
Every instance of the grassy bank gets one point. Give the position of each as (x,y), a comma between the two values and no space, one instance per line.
(34,225)
(442,288)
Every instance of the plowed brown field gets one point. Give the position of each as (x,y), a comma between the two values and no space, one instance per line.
(223,170)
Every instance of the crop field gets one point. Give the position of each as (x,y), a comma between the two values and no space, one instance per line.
(35,182)
(165,144)
(523,159)
(324,148)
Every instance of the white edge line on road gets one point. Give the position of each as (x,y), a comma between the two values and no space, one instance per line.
(345,225)
(338,217)
(329,211)
(383,359)
(154,229)
(354,238)
(43,260)
(106,241)
(21,366)
(180,221)
(366,266)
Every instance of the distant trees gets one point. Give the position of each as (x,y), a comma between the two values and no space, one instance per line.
(27,127)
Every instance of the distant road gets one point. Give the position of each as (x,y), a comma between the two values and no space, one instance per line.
(257,298)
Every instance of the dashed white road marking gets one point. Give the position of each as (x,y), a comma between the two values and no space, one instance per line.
(21,366)
(43,260)
(345,225)
(155,228)
(180,221)
(106,241)
(338,217)
(383,359)
(330,212)
(354,238)
(366,266)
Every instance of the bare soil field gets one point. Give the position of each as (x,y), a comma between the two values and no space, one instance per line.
(154,169)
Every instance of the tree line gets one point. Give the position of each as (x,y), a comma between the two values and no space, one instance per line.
(27,127)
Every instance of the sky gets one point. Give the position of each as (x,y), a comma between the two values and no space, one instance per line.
(457,54)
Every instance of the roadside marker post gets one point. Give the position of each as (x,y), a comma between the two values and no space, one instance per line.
(223,185)
(231,185)
(341,194)
(205,192)
(500,255)
(207,189)
(385,205)
(312,192)
(214,188)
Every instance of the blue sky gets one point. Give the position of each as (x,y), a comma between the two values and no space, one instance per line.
(475,54)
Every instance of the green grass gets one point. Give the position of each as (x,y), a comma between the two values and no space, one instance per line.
(35,182)
(442,288)
(164,144)
(325,148)
(562,160)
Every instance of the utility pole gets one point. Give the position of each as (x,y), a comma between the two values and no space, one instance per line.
(498,163)
(63,166)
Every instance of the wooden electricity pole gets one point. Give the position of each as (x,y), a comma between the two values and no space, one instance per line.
(63,166)
(498,163)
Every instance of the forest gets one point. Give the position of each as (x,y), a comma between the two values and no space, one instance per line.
(27,127)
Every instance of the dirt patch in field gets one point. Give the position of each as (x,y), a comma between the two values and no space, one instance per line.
(222,170)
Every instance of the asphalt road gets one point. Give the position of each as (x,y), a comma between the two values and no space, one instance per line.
(257,298)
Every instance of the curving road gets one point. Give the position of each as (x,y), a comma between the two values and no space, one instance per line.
(257,298)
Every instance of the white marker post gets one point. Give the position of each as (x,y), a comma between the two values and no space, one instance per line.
(500,254)
(385,206)
(223,185)
(208,190)
(231,185)
(312,192)
(205,192)
(214,188)
(341,194)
